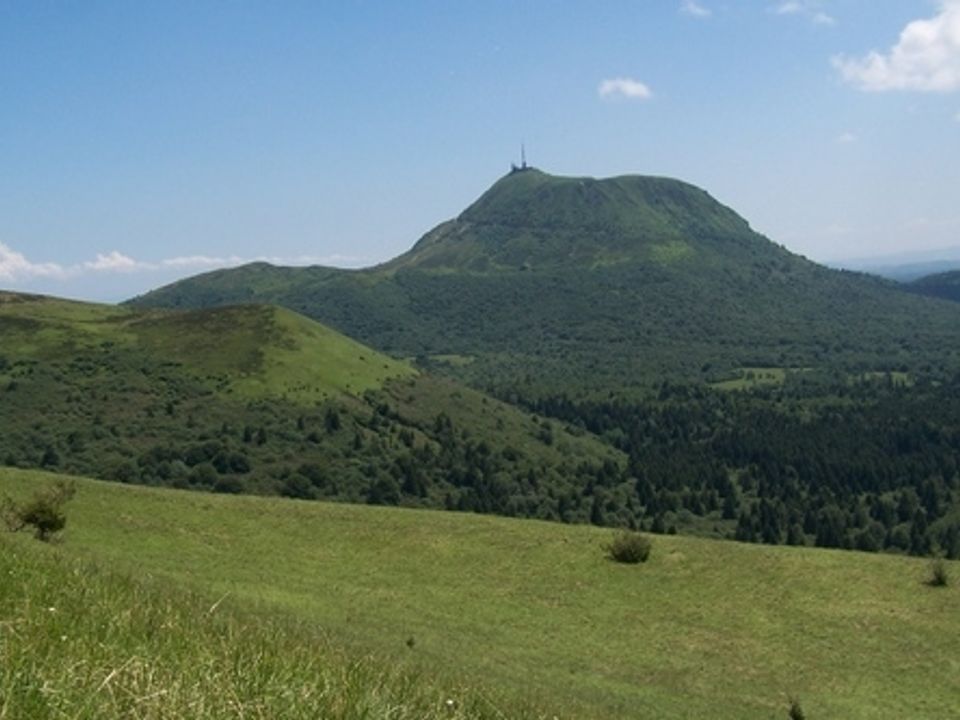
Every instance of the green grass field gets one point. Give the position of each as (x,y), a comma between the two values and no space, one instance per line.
(534,610)
(81,641)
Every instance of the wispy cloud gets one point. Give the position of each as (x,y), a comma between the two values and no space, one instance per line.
(624,87)
(957,116)
(695,9)
(112,262)
(846,138)
(809,9)
(925,59)
(16,267)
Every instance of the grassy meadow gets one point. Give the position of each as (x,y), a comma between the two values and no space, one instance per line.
(534,610)
(80,641)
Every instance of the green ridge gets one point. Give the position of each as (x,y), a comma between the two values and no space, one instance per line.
(944,285)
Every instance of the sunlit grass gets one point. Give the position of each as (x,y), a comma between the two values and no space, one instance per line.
(78,641)
(537,611)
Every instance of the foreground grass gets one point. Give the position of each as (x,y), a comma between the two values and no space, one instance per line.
(704,629)
(80,642)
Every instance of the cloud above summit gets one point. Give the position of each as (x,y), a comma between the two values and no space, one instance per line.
(926,58)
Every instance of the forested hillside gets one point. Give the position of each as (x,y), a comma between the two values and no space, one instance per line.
(941,285)
(257,399)
(867,464)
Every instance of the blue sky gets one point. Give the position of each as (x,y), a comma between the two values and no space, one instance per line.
(140,142)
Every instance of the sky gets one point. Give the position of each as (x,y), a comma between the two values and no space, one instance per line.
(142,142)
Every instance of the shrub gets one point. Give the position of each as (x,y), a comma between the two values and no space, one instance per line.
(43,512)
(938,573)
(796,712)
(629,547)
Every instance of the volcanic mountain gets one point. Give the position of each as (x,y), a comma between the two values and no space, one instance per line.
(577,285)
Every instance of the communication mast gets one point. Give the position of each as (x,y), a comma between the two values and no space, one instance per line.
(514,168)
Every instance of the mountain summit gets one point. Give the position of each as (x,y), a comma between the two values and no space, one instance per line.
(530,220)
(560,284)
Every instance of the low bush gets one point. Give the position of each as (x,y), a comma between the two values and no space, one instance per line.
(43,512)
(629,547)
(938,573)
(796,712)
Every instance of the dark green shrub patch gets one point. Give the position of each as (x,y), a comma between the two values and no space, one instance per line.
(629,547)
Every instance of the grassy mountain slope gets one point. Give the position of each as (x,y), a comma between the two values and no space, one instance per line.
(252,351)
(551,284)
(83,640)
(258,399)
(704,629)
(944,285)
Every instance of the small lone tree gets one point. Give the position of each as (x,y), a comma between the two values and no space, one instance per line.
(43,512)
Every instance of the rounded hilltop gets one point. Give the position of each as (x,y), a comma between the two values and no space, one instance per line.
(532,219)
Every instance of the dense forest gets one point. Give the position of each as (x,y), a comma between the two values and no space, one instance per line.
(870,464)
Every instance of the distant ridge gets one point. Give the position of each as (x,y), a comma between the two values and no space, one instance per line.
(905,266)
(944,285)
(555,284)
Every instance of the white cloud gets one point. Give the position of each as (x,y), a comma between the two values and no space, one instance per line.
(624,88)
(926,58)
(847,138)
(15,266)
(810,9)
(695,9)
(957,116)
(821,18)
(788,8)
(112,262)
